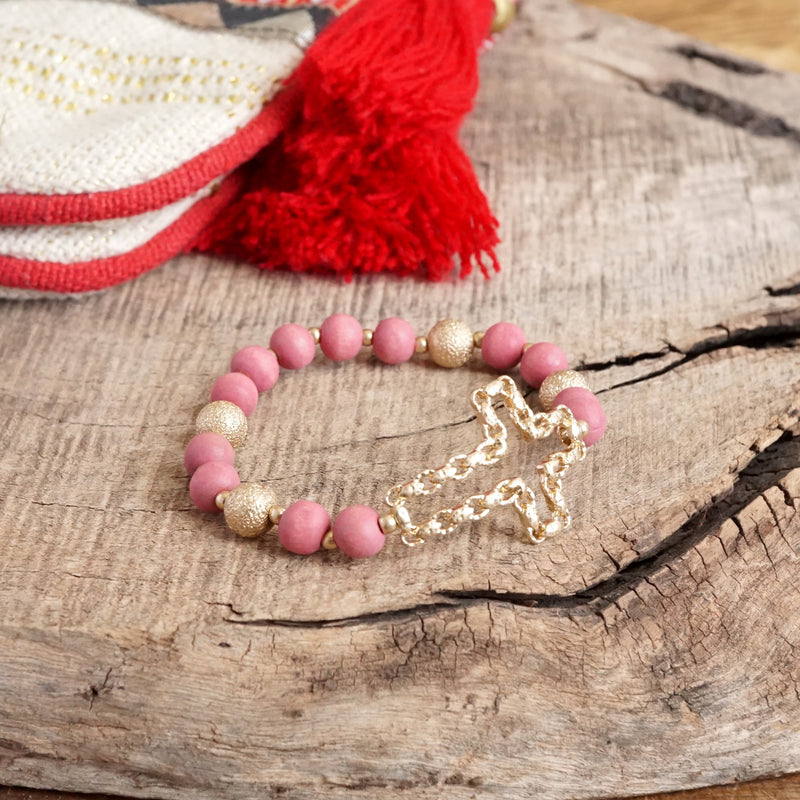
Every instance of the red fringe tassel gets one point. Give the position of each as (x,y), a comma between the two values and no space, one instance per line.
(369,177)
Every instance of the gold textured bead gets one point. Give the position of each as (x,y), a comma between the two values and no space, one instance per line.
(247,509)
(366,339)
(388,523)
(224,418)
(275,514)
(504,13)
(477,338)
(450,343)
(557,382)
(315,333)
(327,541)
(420,345)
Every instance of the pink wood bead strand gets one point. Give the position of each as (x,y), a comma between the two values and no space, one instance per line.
(586,407)
(341,337)
(303,526)
(208,481)
(358,531)
(540,360)
(502,345)
(236,387)
(259,364)
(294,345)
(394,340)
(207,447)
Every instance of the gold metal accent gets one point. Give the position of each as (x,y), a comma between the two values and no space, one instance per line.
(388,523)
(275,514)
(219,500)
(316,333)
(526,346)
(224,418)
(511,491)
(247,509)
(557,382)
(477,338)
(366,338)
(420,345)
(327,541)
(504,13)
(450,343)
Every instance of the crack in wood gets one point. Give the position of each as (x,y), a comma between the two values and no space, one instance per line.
(767,468)
(722,60)
(731,112)
(764,337)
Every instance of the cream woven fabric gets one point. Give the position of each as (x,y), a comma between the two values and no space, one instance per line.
(101,96)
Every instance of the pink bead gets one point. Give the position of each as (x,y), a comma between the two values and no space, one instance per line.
(259,364)
(340,337)
(294,346)
(584,406)
(303,526)
(357,533)
(541,360)
(394,340)
(502,345)
(208,481)
(236,387)
(207,447)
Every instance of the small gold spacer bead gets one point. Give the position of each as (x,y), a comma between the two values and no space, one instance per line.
(388,523)
(527,346)
(421,345)
(219,500)
(504,13)
(315,332)
(327,541)
(477,339)
(366,339)
(275,514)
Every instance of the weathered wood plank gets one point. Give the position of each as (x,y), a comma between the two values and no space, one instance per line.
(144,651)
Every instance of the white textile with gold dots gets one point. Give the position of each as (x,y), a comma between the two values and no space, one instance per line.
(102,96)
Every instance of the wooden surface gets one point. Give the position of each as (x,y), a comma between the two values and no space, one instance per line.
(767,31)
(647,200)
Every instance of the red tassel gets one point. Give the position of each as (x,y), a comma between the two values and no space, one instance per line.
(370,176)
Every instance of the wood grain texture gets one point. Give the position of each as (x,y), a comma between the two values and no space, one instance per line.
(647,201)
(767,31)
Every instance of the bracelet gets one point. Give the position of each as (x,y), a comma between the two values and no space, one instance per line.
(571,412)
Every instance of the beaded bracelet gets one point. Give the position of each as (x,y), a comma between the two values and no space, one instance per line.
(571,411)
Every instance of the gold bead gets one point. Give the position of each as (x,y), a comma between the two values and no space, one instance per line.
(504,12)
(526,346)
(557,382)
(420,345)
(327,541)
(219,500)
(388,523)
(367,338)
(315,333)
(275,514)
(477,338)
(450,343)
(224,418)
(247,509)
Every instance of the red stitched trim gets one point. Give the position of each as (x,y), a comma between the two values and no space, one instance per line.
(48,209)
(85,276)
